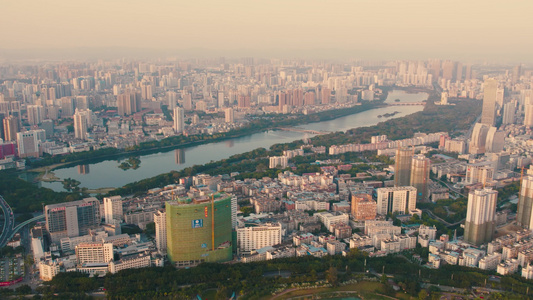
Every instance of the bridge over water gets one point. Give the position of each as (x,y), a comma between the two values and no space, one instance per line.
(303,130)
(406,103)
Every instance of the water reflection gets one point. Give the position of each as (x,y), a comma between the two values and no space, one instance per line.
(83,169)
(179,156)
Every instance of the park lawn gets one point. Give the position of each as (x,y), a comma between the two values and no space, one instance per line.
(366,289)
(209,294)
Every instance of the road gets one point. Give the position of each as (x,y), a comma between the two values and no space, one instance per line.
(442,220)
(9,222)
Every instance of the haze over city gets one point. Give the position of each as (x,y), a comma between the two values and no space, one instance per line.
(266,149)
(385,29)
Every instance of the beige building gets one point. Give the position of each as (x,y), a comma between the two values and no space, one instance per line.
(479,224)
(94,253)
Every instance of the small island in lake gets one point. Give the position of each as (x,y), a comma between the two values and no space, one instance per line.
(131,163)
(387,115)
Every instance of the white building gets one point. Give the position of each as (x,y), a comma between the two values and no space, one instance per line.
(527,272)
(490,262)
(113,209)
(80,124)
(257,237)
(396,199)
(48,269)
(329,219)
(139,260)
(278,161)
(507,267)
(431,232)
(160,220)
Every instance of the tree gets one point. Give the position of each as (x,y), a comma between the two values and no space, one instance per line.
(422,295)
(331,276)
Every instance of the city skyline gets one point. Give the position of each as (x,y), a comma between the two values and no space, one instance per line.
(339,29)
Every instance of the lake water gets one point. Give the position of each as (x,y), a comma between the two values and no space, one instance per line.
(107,174)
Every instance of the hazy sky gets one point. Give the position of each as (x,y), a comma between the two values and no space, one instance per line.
(427,28)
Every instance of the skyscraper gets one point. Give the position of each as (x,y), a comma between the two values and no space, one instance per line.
(67,107)
(187,101)
(220,99)
(35,114)
(524,214)
(509,110)
(160,220)
(402,166)
(113,209)
(528,112)
(495,140)
(128,103)
(479,138)
(2,126)
(490,91)
(80,125)
(229,115)
(172,99)
(479,224)
(396,199)
(199,230)
(11,127)
(420,166)
(179,119)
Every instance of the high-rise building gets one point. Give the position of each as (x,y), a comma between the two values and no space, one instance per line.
(28,142)
(479,173)
(113,210)
(72,219)
(80,125)
(2,116)
(94,253)
(179,119)
(509,110)
(402,166)
(172,98)
(396,199)
(230,115)
(243,101)
(35,114)
(257,237)
(187,101)
(481,209)
(199,230)
(67,107)
(160,220)
(420,166)
(11,127)
(479,138)
(363,207)
(220,99)
(490,93)
(524,213)
(495,140)
(448,70)
(444,98)
(129,103)
(528,112)
(517,71)
(326,96)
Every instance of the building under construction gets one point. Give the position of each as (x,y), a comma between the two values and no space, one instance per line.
(199,230)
